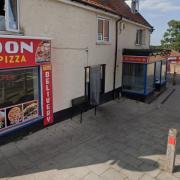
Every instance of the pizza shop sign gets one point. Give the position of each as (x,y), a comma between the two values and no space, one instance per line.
(23,52)
(12,47)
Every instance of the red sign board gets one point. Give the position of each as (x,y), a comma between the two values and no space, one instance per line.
(17,52)
(137,59)
(47,94)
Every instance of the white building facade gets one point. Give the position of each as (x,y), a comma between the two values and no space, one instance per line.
(83,34)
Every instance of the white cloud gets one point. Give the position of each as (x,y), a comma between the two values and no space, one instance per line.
(160,5)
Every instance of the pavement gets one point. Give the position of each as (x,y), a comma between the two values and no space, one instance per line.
(126,140)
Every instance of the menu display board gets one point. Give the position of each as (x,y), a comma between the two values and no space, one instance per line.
(19,113)
(14,115)
(30,110)
(2,118)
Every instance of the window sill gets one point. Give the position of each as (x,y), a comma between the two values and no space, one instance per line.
(10,33)
(103,43)
(140,44)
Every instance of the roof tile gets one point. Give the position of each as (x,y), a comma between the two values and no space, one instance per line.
(120,8)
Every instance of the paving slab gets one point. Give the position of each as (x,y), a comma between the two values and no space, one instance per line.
(112,174)
(126,140)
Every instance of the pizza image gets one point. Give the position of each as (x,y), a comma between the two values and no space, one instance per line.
(15,115)
(2,119)
(31,111)
(43,52)
(2,116)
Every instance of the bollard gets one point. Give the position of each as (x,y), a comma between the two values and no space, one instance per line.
(171,150)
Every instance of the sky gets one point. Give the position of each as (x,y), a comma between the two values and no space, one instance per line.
(158,13)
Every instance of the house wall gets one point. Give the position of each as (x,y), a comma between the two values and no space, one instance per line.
(73,31)
(127,39)
(174,67)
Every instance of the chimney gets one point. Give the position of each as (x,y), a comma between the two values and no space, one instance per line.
(135,6)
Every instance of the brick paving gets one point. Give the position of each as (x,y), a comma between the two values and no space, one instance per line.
(125,141)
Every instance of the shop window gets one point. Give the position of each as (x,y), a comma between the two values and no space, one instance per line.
(163,72)
(18,96)
(9,15)
(140,37)
(158,72)
(133,78)
(87,80)
(150,77)
(103,30)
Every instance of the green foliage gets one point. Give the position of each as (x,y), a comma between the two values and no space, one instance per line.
(156,47)
(171,38)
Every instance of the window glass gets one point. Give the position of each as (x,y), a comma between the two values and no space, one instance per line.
(18,96)
(100,29)
(2,12)
(103,29)
(106,30)
(2,16)
(158,72)
(12,14)
(140,37)
(150,77)
(18,86)
(133,78)
(163,72)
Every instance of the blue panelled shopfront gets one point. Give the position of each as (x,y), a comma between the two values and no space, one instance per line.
(144,71)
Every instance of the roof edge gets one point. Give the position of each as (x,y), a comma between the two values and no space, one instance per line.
(137,23)
(107,10)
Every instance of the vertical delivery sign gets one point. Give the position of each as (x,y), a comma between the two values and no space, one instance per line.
(47,98)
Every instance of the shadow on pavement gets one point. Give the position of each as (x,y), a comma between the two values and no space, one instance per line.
(124,134)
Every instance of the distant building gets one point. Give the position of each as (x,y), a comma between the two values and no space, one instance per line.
(174,63)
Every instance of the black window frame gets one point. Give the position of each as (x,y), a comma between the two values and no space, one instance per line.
(5,7)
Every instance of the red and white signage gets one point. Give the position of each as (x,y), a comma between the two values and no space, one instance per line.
(16,52)
(174,59)
(136,59)
(143,59)
(47,94)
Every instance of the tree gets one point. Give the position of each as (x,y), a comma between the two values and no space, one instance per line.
(171,38)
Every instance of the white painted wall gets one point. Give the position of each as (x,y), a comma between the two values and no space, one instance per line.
(127,39)
(74,31)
